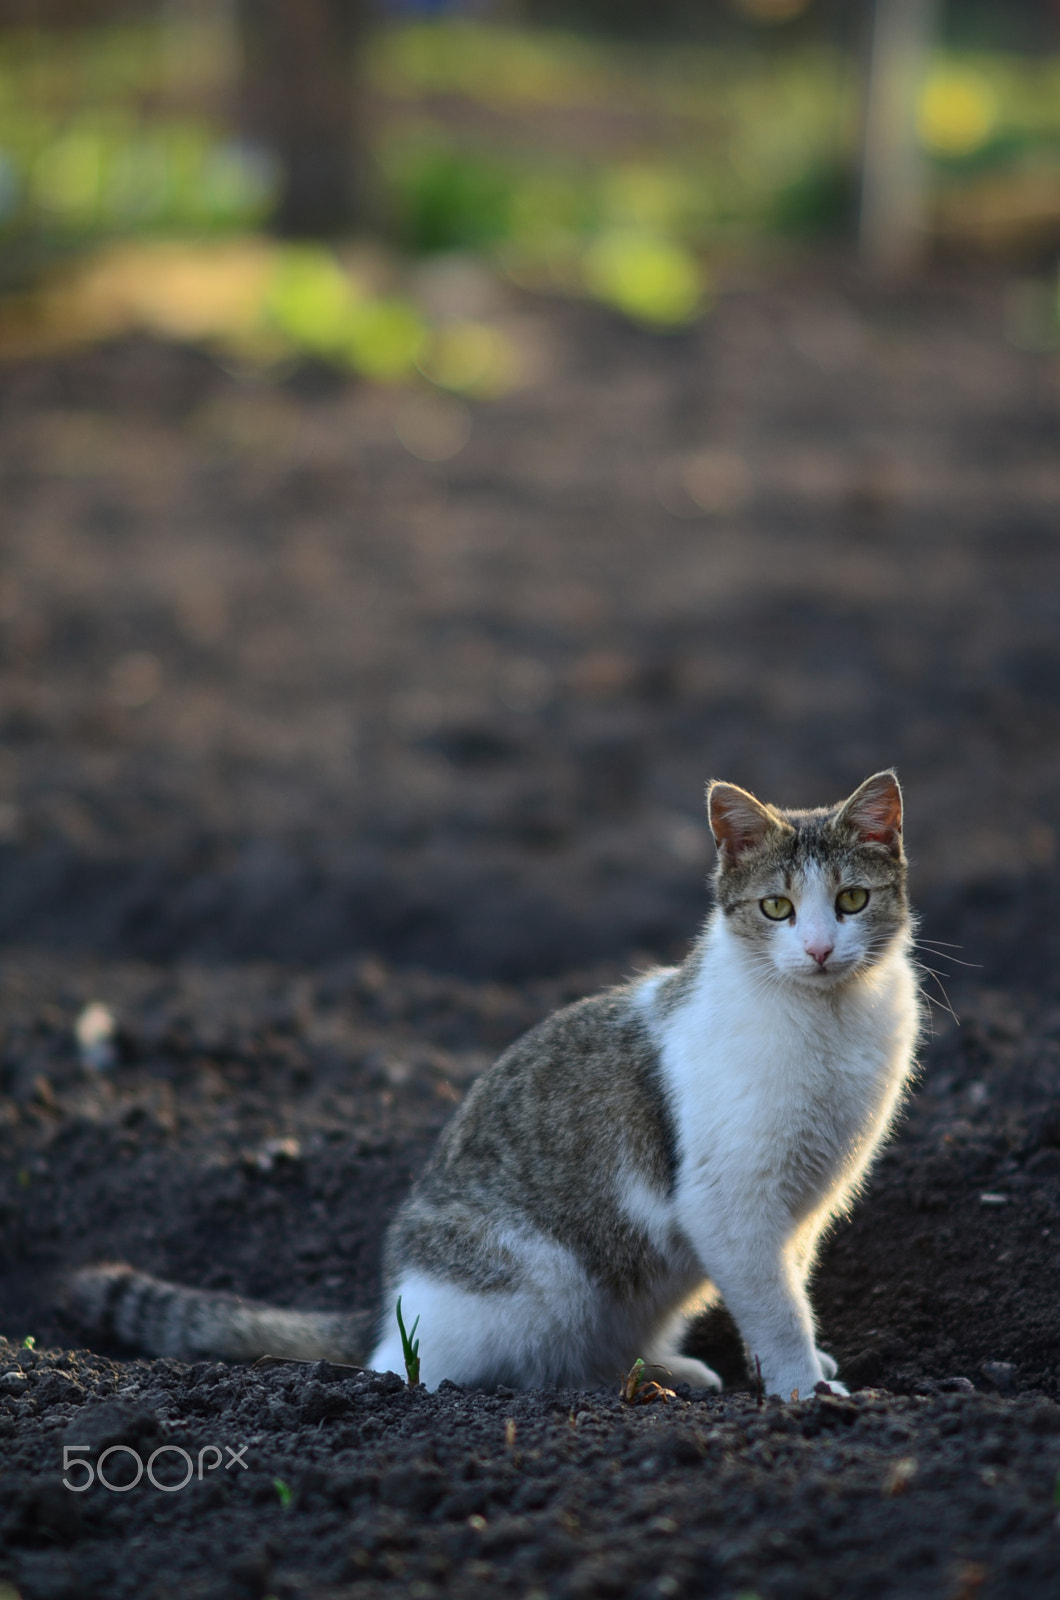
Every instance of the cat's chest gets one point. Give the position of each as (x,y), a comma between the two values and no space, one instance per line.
(777,1075)
(781,1088)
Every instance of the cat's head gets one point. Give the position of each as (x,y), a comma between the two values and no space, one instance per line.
(820,895)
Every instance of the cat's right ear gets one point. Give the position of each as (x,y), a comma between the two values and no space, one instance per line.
(738,821)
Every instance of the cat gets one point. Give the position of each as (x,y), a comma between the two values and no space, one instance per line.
(685,1136)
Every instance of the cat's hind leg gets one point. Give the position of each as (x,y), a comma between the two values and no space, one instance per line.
(683,1369)
(481,1338)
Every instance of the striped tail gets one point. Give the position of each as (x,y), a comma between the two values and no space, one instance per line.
(163,1319)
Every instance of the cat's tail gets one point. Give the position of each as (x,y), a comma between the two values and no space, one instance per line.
(163,1319)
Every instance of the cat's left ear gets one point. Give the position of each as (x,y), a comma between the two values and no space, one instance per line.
(874,812)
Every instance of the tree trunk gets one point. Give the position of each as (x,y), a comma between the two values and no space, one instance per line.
(300,98)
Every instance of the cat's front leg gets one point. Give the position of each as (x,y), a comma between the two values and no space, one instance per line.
(803,1258)
(762,1287)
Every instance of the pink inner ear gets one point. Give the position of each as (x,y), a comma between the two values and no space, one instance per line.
(737,821)
(877,813)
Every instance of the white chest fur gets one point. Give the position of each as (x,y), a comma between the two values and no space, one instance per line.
(781,1093)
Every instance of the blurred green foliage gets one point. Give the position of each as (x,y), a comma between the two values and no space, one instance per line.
(587,166)
(90,143)
(584,138)
(315,306)
(444,198)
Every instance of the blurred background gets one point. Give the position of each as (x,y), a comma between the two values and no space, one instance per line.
(607,149)
(434,438)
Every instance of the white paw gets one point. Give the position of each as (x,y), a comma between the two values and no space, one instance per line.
(829,1365)
(791,1388)
(684,1369)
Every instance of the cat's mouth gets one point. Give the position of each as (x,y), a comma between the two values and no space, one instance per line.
(831,972)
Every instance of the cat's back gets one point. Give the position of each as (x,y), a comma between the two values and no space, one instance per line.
(584,1087)
(550,1139)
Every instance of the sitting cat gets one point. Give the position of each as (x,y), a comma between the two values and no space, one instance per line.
(687,1135)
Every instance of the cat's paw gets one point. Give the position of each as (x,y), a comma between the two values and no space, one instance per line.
(833,1387)
(686,1369)
(829,1365)
(801,1387)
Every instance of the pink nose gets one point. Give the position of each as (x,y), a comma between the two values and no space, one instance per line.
(820,952)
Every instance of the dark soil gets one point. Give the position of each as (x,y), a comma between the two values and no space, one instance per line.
(330,770)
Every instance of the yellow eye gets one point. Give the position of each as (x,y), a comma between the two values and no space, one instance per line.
(777,907)
(852,900)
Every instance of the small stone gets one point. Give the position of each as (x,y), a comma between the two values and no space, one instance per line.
(96,1033)
(277,1151)
(13,1383)
(999,1375)
(899,1476)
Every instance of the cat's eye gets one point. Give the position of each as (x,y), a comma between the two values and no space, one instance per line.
(851,900)
(777,907)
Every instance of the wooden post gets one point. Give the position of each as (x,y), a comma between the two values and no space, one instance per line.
(893,173)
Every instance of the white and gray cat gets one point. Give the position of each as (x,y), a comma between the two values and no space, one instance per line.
(686,1136)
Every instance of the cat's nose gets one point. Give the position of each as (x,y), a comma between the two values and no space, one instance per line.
(820,952)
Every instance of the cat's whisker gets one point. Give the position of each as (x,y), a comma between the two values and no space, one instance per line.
(935,1005)
(945,1004)
(944,955)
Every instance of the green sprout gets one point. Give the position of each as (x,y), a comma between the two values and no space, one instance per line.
(283,1492)
(410,1348)
(29,1342)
